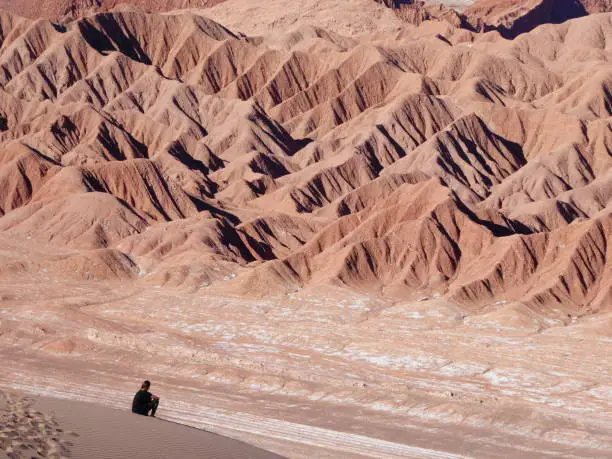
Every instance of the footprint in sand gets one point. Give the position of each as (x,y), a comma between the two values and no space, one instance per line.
(25,432)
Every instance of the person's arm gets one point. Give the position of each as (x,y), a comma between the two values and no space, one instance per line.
(154,397)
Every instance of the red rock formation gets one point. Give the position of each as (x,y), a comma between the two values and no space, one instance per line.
(438,161)
(514,18)
(71,9)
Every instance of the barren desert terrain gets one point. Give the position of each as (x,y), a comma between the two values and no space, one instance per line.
(40,427)
(319,228)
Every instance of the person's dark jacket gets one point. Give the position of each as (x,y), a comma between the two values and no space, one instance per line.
(142,402)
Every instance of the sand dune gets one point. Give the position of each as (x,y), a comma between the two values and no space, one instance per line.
(46,427)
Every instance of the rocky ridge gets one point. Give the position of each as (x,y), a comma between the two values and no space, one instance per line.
(167,149)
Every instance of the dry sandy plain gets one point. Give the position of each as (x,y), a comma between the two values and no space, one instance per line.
(36,427)
(392,241)
(319,374)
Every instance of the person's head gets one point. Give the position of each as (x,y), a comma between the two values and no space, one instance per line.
(145,385)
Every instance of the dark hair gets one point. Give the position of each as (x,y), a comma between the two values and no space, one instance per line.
(146,384)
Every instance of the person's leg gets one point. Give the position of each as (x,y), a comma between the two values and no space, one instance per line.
(154,405)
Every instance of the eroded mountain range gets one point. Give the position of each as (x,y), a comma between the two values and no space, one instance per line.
(427,160)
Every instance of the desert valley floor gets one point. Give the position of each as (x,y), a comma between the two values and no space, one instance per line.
(329,374)
(332,230)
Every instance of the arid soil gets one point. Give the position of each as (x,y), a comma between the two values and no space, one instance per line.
(26,432)
(305,210)
(320,374)
(36,427)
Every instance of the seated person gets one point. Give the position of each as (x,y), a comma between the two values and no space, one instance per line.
(145,401)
